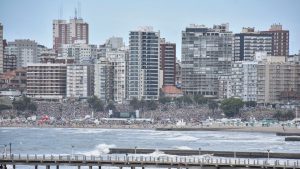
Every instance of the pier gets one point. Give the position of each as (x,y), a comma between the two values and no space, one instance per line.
(238,154)
(143,162)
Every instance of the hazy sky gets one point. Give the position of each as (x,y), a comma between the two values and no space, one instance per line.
(32,19)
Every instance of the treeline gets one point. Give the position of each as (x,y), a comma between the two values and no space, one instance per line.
(22,104)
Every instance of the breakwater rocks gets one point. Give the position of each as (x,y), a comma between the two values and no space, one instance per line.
(203,152)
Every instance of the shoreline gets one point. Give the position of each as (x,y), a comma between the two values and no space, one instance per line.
(171,128)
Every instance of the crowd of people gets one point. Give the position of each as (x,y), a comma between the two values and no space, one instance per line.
(80,114)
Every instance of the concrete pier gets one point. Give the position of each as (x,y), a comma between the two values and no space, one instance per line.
(121,161)
(292,138)
(215,153)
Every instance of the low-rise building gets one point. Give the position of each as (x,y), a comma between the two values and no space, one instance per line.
(15,79)
(9,62)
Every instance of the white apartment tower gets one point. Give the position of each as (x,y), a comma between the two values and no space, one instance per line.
(80,80)
(110,76)
(143,69)
(243,80)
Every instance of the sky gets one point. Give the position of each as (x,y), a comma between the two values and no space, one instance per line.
(32,19)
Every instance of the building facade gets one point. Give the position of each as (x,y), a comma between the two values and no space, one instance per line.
(178,81)
(206,55)
(15,79)
(110,76)
(168,62)
(248,42)
(46,80)
(80,81)
(143,69)
(278,81)
(9,62)
(280,40)
(68,32)
(25,50)
(1,48)
(243,80)
(80,52)
(103,80)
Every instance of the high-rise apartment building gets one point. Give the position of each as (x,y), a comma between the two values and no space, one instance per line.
(168,62)
(80,81)
(143,69)
(1,48)
(110,76)
(178,80)
(280,40)
(248,42)
(243,80)
(46,80)
(68,32)
(277,81)
(111,44)
(25,50)
(206,55)
(79,51)
(103,80)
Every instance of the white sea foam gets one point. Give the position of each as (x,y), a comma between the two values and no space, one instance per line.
(182,147)
(184,138)
(100,150)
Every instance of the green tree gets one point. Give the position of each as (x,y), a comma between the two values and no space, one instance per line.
(179,102)
(186,99)
(213,105)
(95,103)
(164,100)
(134,103)
(19,105)
(250,103)
(111,106)
(284,115)
(199,99)
(32,107)
(231,107)
(24,104)
(4,107)
(151,105)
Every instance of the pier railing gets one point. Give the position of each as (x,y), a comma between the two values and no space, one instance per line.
(144,161)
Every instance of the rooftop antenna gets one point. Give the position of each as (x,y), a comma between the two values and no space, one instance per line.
(60,11)
(75,13)
(79,9)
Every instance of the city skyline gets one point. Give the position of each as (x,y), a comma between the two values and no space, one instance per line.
(119,19)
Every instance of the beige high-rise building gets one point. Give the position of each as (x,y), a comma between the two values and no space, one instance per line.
(1,48)
(46,80)
(67,32)
(277,81)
